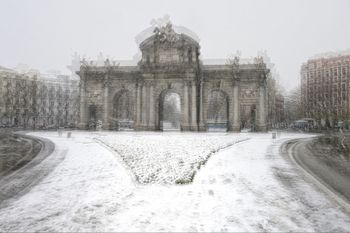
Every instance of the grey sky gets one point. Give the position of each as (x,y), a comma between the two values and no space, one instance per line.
(45,33)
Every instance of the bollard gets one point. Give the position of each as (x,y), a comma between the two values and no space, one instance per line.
(273,135)
(69,134)
(278,133)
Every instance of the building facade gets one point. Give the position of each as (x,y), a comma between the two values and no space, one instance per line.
(37,102)
(325,89)
(171,63)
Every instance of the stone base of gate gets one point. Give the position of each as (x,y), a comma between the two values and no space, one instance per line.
(146,128)
(82,126)
(261,128)
(106,126)
(235,128)
(189,128)
(202,128)
(185,128)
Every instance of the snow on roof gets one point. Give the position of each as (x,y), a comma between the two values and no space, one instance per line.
(332,54)
(4,69)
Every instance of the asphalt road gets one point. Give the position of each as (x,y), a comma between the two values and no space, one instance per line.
(327,171)
(16,150)
(22,178)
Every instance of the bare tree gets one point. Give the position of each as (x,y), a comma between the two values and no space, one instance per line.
(33,106)
(293,105)
(9,102)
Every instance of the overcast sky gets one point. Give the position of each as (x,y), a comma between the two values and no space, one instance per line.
(45,33)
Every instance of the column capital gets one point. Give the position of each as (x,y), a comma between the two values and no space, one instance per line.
(236,81)
(149,82)
(140,82)
(186,83)
(106,83)
(194,82)
(262,83)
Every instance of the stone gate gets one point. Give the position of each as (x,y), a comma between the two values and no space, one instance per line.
(171,63)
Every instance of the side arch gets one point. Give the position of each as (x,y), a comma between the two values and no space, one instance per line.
(122,110)
(159,94)
(217,110)
(168,111)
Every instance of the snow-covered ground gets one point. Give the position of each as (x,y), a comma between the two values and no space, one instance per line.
(167,158)
(245,187)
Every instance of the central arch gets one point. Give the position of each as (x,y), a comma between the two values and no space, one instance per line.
(218,111)
(122,116)
(248,117)
(170,113)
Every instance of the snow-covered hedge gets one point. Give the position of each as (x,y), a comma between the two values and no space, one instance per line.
(167,158)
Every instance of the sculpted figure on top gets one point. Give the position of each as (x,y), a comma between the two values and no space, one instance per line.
(166,33)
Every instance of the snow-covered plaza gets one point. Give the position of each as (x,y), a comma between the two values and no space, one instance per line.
(147,181)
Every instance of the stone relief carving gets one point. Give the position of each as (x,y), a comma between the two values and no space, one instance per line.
(95,96)
(248,93)
(234,60)
(259,61)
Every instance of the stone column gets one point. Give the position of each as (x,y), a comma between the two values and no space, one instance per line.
(105,103)
(83,113)
(194,56)
(201,126)
(138,105)
(151,107)
(144,108)
(262,106)
(194,108)
(185,108)
(236,124)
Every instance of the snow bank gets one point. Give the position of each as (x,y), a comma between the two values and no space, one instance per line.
(167,158)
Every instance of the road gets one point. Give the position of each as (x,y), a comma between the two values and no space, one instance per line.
(16,150)
(28,172)
(325,171)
